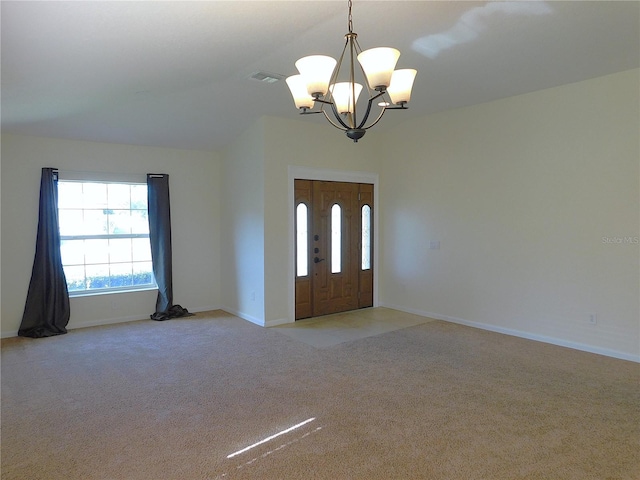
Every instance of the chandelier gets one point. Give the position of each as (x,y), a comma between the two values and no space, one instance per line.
(317,84)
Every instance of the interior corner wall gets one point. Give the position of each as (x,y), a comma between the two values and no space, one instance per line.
(243,233)
(522,216)
(195,216)
(304,144)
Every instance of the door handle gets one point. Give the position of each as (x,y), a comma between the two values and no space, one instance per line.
(318,260)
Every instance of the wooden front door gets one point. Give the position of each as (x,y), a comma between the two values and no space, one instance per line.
(334,270)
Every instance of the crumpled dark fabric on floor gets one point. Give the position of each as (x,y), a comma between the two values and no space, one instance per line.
(174,311)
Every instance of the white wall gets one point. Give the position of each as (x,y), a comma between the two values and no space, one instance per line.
(303,144)
(519,193)
(257,253)
(195,215)
(243,253)
(522,195)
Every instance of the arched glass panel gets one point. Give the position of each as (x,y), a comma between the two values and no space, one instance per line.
(336,245)
(302,239)
(366,237)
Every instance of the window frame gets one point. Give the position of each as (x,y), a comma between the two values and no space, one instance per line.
(130,181)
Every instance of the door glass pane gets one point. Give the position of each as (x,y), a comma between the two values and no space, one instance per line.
(336,246)
(366,237)
(302,267)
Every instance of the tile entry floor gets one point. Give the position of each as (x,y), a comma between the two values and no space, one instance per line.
(329,330)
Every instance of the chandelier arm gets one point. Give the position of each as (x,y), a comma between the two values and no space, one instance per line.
(402,106)
(337,115)
(377,119)
(343,127)
(366,115)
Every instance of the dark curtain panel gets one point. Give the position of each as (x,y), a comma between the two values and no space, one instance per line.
(160,238)
(46,311)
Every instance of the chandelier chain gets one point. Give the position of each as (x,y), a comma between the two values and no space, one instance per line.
(350,18)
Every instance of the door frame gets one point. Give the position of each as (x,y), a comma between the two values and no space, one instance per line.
(329,175)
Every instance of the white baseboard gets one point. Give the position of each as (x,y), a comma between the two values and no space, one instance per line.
(277,321)
(245,316)
(519,333)
(108,321)
(204,309)
(255,320)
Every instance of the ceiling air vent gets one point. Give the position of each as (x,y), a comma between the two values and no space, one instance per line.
(266,77)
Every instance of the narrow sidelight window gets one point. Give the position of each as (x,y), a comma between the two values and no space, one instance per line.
(336,238)
(366,237)
(302,239)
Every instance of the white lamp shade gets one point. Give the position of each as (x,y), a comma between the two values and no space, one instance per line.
(378,64)
(316,71)
(401,85)
(343,96)
(298,89)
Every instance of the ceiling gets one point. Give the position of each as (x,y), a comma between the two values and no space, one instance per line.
(177,74)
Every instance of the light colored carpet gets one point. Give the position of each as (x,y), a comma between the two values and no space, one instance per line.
(176,400)
(330,330)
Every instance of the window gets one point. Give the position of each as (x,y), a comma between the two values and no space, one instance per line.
(302,261)
(366,237)
(104,233)
(336,240)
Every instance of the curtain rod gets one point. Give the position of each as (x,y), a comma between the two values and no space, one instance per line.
(93,176)
(90,172)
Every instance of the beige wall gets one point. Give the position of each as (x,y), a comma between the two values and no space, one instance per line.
(195,214)
(524,195)
(242,227)
(534,200)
